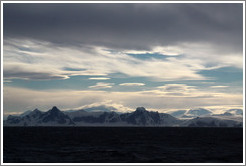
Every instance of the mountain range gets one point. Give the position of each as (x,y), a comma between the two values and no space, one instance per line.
(140,117)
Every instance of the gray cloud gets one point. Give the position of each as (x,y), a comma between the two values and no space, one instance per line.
(10,74)
(127,26)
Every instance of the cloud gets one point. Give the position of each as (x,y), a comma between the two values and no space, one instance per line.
(99,78)
(107,105)
(219,86)
(102,85)
(20,99)
(43,60)
(28,71)
(164,50)
(6,81)
(188,33)
(42,42)
(177,89)
(132,84)
(131,26)
(186,91)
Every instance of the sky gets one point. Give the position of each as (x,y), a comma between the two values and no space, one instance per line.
(163,57)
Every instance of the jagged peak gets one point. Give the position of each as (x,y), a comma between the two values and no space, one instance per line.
(55,109)
(34,112)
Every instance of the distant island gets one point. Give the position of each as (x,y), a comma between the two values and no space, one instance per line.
(140,117)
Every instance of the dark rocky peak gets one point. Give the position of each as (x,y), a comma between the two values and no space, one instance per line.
(55,115)
(141,109)
(36,110)
(54,110)
(35,113)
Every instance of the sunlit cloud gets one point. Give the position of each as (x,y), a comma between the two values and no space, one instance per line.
(164,50)
(132,84)
(99,78)
(102,85)
(219,86)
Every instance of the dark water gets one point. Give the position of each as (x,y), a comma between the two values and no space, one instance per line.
(122,145)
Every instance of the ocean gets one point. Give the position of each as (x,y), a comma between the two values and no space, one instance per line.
(122,145)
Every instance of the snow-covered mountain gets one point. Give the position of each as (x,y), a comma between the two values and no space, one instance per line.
(213,122)
(82,113)
(140,117)
(25,113)
(83,118)
(192,113)
(53,117)
(202,112)
(235,111)
(199,112)
(169,120)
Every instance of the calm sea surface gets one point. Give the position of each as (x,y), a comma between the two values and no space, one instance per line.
(122,145)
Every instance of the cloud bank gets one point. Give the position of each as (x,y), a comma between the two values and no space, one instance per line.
(132,26)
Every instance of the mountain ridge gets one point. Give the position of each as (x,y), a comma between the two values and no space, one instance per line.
(139,117)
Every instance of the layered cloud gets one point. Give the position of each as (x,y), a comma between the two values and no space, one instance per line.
(183,90)
(26,59)
(132,84)
(42,60)
(20,99)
